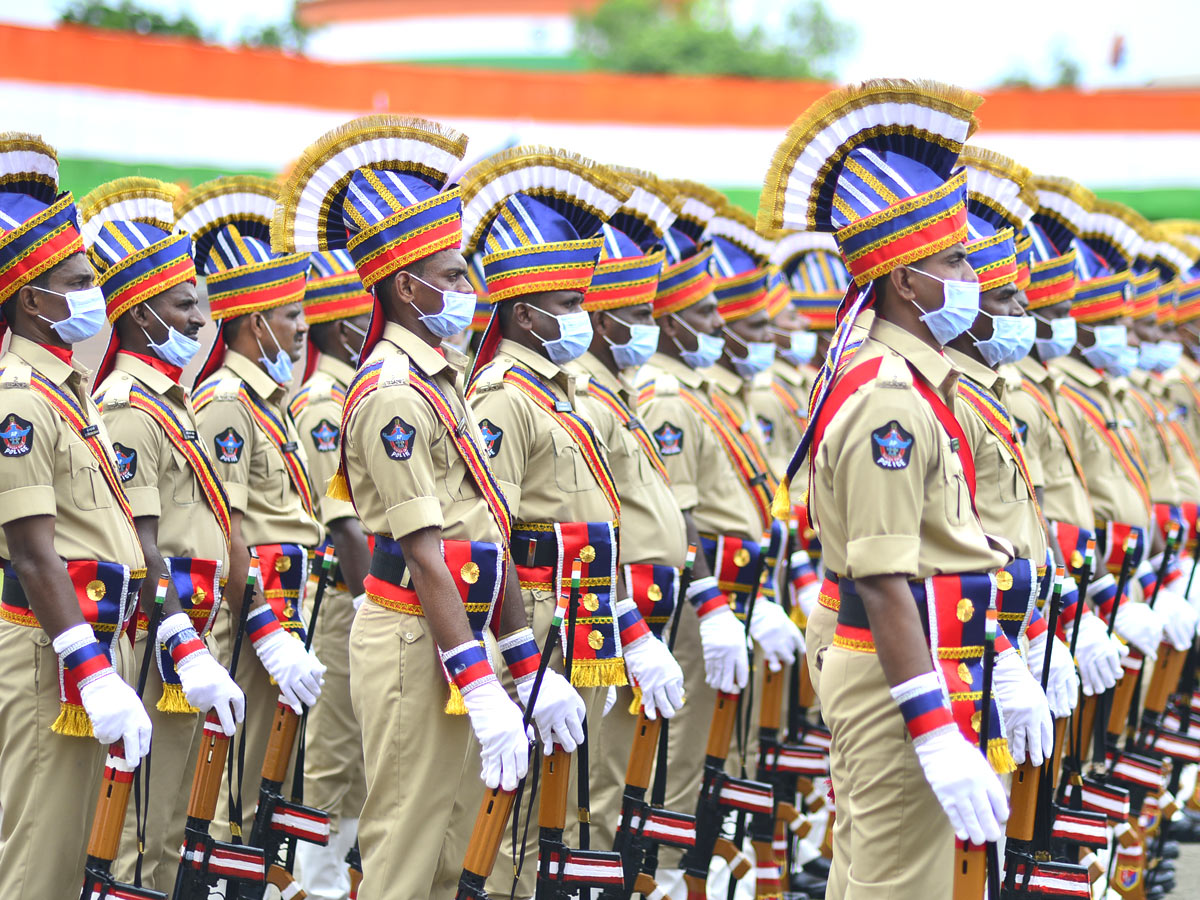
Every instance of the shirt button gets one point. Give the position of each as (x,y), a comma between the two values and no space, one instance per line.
(408,636)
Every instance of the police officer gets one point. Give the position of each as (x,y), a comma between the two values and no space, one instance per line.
(179,506)
(72,562)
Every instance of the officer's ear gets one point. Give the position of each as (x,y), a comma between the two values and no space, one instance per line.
(27,300)
(522,315)
(669,326)
(901,282)
(404,286)
(600,322)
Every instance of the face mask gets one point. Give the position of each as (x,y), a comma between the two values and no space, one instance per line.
(1127,359)
(1012,337)
(708,348)
(280,369)
(643,341)
(758,358)
(85,316)
(1171,352)
(574,336)
(959,308)
(802,349)
(355,355)
(1062,338)
(1106,350)
(457,310)
(1150,357)
(178,349)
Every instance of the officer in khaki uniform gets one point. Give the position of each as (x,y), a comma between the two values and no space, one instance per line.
(540,246)
(778,397)
(654,536)
(240,394)
(179,506)
(71,559)
(337,311)
(889,494)
(412,464)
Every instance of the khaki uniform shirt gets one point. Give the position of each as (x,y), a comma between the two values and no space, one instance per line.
(319,424)
(1187,474)
(254,474)
(159,481)
(49,470)
(1115,498)
(540,467)
(780,428)
(652,526)
(887,492)
(703,478)
(1150,426)
(1001,495)
(419,481)
(1177,380)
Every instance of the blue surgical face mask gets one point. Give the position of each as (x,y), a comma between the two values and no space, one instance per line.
(178,349)
(574,336)
(801,349)
(85,314)
(1150,356)
(708,348)
(758,358)
(1063,335)
(458,307)
(642,343)
(1011,340)
(1105,351)
(957,313)
(280,368)
(1126,362)
(1172,352)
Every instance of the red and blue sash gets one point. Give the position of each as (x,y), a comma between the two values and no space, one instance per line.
(274,430)
(998,421)
(283,570)
(1051,414)
(1017,589)
(197,583)
(789,403)
(746,460)
(1126,457)
(625,416)
(1153,411)
(735,562)
(654,589)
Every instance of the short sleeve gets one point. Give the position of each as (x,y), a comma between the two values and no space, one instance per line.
(504,423)
(28,442)
(142,457)
(228,433)
(680,442)
(320,429)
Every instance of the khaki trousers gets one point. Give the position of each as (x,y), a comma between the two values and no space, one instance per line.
(48,782)
(611,738)
(422,765)
(818,636)
(899,843)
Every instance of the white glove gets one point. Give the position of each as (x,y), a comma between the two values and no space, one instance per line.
(651,665)
(1099,657)
(965,786)
(297,672)
(207,685)
(1025,709)
(558,713)
(1141,626)
(113,706)
(726,660)
(359,600)
(1062,690)
(503,743)
(777,635)
(1179,618)
(610,700)
(806,598)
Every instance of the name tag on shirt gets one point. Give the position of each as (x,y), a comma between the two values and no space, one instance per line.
(290,447)
(562,406)
(91,431)
(189,435)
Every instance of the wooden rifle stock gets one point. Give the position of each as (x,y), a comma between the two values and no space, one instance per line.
(485,843)
(1168,669)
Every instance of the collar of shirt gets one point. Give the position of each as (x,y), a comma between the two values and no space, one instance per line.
(785,371)
(342,373)
(141,368)
(541,366)
(159,365)
(1034,371)
(686,375)
(973,369)
(253,375)
(427,358)
(729,382)
(66,354)
(1077,369)
(592,367)
(930,364)
(46,361)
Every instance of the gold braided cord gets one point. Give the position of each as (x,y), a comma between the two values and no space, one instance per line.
(950,100)
(685,189)
(651,184)
(221,187)
(133,187)
(996,163)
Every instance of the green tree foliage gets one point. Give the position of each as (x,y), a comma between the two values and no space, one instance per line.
(129,16)
(696,37)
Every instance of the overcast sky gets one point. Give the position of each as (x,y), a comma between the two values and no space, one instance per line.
(975,45)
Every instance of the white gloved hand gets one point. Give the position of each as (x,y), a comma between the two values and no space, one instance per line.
(723,641)
(806,598)
(651,665)
(1025,709)
(207,685)
(1141,626)
(1099,657)
(1062,690)
(1179,618)
(297,672)
(610,700)
(503,742)
(558,713)
(965,786)
(777,635)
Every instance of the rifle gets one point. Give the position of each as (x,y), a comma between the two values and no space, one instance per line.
(113,801)
(278,821)
(203,859)
(354,862)
(1121,696)
(641,823)
(1168,667)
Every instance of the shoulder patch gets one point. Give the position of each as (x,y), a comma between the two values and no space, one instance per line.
(228,389)
(767,427)
(893,373)
(16,375)
(666,385)
(492,437)
(126,461)
(891,446)
(1022,429)
(397,436)
(320,388)
(669,439)
(325,436)
(229,445)
(491,377)
(394,371)
(116,391)
(17,436)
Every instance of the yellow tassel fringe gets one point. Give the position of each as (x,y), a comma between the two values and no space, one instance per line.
(796,614)
(173,701)
(1000,756)
(781,506)
(598,673)
(455,705)
(636,705)
(72,721)
(337,488)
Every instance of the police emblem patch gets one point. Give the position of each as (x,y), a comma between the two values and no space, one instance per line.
(325,436)
(229,446)
(397,437)
(492,436)
(767,427)
(17,435)
(126,461)
(669,439)
(1022,429)
(891,446)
